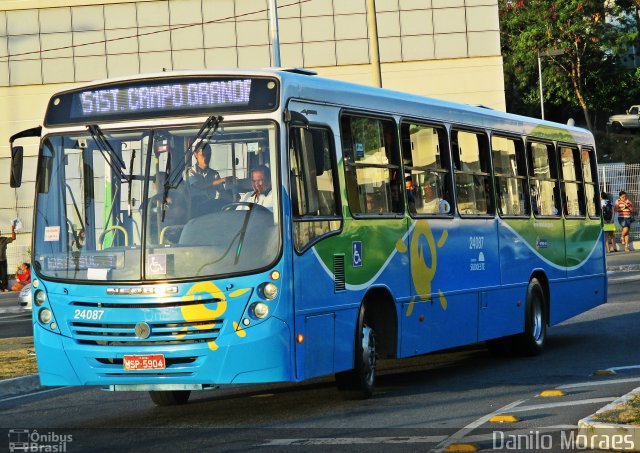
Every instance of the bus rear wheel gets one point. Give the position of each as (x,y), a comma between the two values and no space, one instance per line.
(531,342)
(170,397)
(362,379)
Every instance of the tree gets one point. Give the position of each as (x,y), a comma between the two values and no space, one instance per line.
(587,36)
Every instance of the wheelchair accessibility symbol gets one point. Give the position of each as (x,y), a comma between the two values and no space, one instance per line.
(356,253)
(157,264)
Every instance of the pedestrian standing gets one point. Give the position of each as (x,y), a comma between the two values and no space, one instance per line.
(609,227)
(624,207)
(4,241)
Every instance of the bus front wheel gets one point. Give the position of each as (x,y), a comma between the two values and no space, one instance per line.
(531,342)
(362,379)
(170,397)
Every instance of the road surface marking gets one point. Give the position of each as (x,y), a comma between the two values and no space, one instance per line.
(534,407)
(461,434)
(597,383)
(353,440)
(31,394)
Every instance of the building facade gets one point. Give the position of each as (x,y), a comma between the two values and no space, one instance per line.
(448,49)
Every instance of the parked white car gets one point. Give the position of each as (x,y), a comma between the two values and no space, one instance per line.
(629,120)
(24,299)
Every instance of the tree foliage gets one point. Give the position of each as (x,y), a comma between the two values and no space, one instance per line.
(581,44)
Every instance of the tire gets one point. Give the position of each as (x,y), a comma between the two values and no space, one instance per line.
(170,397)
(617,128)
(361,380)
(531,342)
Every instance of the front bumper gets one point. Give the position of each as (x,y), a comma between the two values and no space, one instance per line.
(257,355)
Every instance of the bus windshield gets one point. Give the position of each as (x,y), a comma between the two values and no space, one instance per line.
(157,204)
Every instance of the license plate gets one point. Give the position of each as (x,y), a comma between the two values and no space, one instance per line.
(144,362)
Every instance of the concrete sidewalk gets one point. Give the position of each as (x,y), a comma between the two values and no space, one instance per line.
(610,436)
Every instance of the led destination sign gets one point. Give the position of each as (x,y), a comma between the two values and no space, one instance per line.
(169,96)
(162,98)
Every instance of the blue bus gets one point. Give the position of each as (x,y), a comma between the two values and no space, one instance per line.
(200,228)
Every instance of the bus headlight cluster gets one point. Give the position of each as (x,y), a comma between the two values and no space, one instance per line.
(269,290)
(260,310)
(39,297)
(45,316)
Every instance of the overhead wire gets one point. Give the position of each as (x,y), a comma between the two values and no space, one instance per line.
(170,28)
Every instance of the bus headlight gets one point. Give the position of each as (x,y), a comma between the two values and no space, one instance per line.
(45,316)
(260,310)
(269,290)
(39,297)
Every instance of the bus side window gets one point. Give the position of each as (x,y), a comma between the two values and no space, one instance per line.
(473,175)
(313,177)
(372,165)
(545,195)
(571,177)
(427,169)
(510,169)
(589,174)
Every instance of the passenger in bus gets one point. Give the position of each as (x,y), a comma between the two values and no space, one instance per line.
(174,207)
(373,204)
(176,216)
(209,193)
(261,184)
(534,200)
(411,194)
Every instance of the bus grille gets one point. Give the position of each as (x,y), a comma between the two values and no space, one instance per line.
(138,305)
(161,333)
(338,272)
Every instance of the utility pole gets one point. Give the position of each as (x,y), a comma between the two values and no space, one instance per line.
(546,53)
(275,34)
(540,80)
(374,49)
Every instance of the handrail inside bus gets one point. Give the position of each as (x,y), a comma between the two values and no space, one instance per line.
(114,227)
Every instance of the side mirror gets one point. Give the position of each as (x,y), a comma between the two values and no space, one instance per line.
(17,152)
(15,178)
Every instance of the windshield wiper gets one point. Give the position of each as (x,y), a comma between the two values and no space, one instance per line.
(208,128)
(105,148)
(166,186)
(129,180)
(76,236)
(243,231)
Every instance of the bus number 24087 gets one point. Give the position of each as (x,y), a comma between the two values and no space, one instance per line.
(88,314)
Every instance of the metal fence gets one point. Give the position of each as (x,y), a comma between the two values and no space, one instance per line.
(616,177)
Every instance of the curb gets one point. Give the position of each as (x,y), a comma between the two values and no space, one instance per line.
(20,385)
(593,434)
(624,268)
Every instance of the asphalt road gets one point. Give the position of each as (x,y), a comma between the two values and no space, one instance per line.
(14,321)
(421,404)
